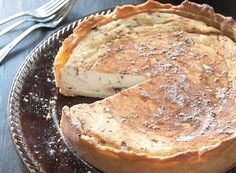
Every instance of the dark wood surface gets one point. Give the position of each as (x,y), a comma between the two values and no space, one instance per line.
(9,160)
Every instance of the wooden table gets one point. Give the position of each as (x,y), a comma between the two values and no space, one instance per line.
(9,160)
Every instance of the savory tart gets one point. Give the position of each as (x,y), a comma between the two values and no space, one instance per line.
(168,74)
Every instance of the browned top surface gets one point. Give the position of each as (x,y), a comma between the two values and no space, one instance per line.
(187,104)
(188,9)
(162,116)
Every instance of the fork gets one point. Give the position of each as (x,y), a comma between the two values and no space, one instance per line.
(52,24)
(44,11)
(14,25)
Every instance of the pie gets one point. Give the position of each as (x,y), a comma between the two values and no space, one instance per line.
(167,75)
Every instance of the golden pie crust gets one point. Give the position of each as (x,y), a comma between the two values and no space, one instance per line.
(182,118)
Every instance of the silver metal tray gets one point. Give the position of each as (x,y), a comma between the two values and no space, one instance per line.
(34,111)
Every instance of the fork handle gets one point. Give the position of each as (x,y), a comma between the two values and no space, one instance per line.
(5,50)
(33,19)
(8,19)
(9,28)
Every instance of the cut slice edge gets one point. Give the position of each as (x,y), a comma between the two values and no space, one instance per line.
(96,84)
